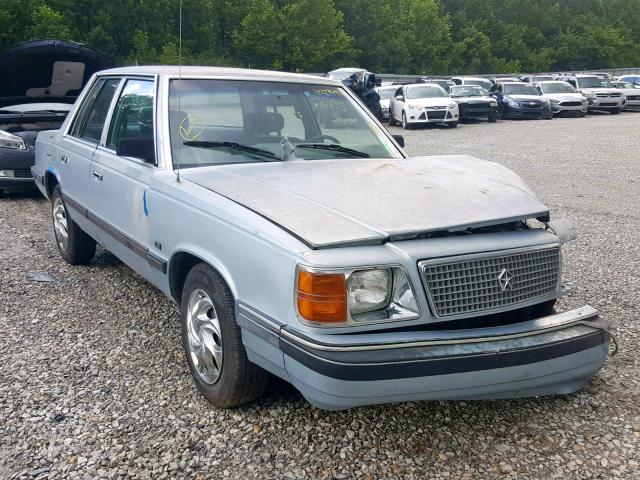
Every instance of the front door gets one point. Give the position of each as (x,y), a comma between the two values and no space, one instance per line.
(121,184)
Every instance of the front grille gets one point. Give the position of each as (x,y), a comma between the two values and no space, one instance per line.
(457,287)
(570,104)
(633,97)
(531,105)
(616,95)
(22,173)
(602,94)
(435,115)
(608,104)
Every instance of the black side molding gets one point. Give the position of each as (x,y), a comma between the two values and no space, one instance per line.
(154,261)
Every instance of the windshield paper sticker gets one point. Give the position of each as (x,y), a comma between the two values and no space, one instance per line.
(188,130)
(323,91)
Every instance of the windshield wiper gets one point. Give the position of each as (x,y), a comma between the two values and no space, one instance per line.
(334,147)
(232,145)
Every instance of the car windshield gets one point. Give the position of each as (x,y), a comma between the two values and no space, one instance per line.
(625,85)
(425,91)
(520,89)
(442,83)
(386,93)
(468,91)
(217,122)
(541,78)
(557,87)
(594,82)
(486,84)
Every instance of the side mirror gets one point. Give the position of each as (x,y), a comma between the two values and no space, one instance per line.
(142,148)
(400,98)
(399,140)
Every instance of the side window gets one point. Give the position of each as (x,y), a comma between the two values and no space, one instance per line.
(133,115)
(573,82)
(398,92)
(93,111)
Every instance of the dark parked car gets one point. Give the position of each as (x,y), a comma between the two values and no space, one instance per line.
(520,100)
(40,81)
(474,103)
(363,83)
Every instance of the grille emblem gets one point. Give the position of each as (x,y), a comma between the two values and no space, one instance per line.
(505,277)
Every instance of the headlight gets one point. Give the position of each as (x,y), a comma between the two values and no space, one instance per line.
(384,108)
(452,105)
(512,102)
(493,104)
(589,94)
(7,140)
(554,100)
(415,107)
(355,296)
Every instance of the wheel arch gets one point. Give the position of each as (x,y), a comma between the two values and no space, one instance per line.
(180,265)
(50,181)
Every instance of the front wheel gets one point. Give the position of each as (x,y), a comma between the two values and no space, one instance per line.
(405,124)
(493,116)
(74,245)
(212,342)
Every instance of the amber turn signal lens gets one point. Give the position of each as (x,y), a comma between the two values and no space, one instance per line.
(322,297)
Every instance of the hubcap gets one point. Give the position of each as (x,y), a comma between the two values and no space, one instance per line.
(204,337)
(60,224)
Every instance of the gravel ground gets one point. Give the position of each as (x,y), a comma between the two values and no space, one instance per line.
(93,382)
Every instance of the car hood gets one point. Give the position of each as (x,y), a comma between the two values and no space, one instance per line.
(47,71)
(327,203)
(430,102)
(473,99)
(565,97)
(526,98)
(601,90)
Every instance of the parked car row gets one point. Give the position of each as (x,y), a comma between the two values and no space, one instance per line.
(457,99)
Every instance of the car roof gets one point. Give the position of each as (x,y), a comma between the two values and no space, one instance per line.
(551,81)
(231,73)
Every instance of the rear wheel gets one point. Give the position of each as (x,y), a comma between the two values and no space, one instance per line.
(74,245)
(212,342)
(392,122)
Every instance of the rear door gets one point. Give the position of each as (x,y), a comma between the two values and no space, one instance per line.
(77,146)
(121,184)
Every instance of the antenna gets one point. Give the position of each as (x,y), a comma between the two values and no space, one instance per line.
(179,90)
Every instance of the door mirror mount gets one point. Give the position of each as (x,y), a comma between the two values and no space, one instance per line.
(135,147)
(399,140)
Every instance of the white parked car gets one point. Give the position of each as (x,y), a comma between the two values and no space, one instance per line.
(563,97)
(599,91)
(422,103)
(386,94)
(631,92)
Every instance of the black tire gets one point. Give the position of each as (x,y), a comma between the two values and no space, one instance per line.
(405,124)
(452,124)
(493,116)
(239,381)
(615,111)
(392,122)
(80,248)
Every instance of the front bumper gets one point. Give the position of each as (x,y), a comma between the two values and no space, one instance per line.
(557,354)
(606,103)
(423,116)
(522,113)
(557,108)
(18,163)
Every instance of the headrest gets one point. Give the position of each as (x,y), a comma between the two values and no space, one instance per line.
(262,123)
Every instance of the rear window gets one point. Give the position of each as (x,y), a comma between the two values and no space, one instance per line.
(89,123)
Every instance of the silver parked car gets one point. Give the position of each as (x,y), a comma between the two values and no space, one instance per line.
(631,93)
(299,239)
(600,94)
(563,97)
(386,93)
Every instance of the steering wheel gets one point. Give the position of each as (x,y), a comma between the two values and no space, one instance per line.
(323,137)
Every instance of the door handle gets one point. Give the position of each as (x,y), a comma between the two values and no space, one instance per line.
(64,159)
(98,176)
